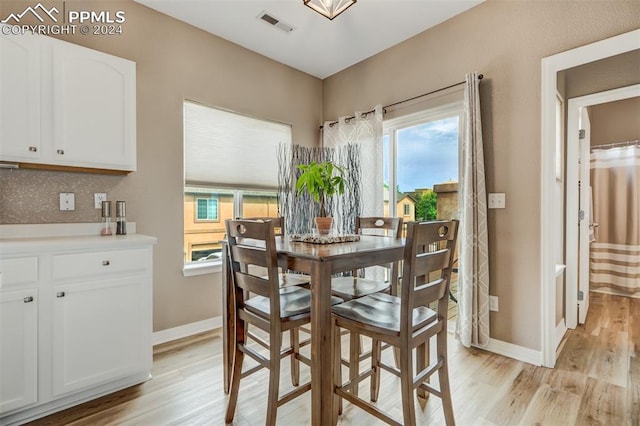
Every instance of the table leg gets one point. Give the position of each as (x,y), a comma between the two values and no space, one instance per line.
(321,345)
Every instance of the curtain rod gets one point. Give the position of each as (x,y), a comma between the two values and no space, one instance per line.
(615,144)
(384,108)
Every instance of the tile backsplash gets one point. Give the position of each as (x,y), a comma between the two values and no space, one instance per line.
(32,196)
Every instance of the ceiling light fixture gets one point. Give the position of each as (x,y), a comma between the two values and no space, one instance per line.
(329,8)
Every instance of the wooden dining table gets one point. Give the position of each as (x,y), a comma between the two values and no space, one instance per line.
(320,261)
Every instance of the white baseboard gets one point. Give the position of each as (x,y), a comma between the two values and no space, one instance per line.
(175,333)
(496,346)
(514,351)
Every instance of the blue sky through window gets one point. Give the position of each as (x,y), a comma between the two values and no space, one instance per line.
(427,154)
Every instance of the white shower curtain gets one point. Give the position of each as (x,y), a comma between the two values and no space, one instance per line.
(472,327)
(614,264)
(364,131)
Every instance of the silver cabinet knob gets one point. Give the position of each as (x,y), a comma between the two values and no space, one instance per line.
(33,149)
(60,151)
(60,294)
(28,299)
(106,263)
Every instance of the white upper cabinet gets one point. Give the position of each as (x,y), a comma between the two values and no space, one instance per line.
(20,102)
(93,108)
(66,105)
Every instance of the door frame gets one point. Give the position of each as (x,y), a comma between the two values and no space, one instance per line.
(573,115)
(551,65)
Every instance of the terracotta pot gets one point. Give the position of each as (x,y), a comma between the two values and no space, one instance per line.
(323,224)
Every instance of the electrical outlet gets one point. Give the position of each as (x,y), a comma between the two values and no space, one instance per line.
(67,201)
(493,303)
(496,201)
(98,198)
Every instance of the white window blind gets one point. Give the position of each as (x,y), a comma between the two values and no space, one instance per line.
(226,149)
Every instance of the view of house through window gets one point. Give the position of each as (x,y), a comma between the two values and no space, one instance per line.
(206,209)
(226,175)
(421,163)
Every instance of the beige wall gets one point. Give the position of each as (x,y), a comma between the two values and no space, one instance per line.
(615,121)
(504,40)
(174,62)
(606,74)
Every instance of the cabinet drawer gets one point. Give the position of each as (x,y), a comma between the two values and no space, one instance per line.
(77,265)
(19,270)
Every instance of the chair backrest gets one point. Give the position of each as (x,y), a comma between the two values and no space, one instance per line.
(252,243)
(278,223)
(428,259)
(393,225)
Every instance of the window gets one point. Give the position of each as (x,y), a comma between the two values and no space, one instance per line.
(421,157)
(231,170)
(206,209)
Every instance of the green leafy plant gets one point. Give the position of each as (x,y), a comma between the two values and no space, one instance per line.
(321,181)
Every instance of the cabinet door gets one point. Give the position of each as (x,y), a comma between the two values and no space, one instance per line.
(99,332)
(94,108)
(18,349)
(20,89)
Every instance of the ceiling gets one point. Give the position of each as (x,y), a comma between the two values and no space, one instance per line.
(316,45)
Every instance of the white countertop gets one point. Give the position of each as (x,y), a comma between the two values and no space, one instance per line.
(44,237)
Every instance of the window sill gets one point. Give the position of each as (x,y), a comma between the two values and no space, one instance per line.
(203,268)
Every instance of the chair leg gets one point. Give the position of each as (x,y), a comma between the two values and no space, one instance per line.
(294,337)
(406,385)
(354,359)
(236,374)
(337,371)
(443,376)
(275,346)
(422,361)
(376,353)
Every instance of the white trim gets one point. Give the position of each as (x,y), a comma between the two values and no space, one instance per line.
(561,329)
(201,268)
(175,333)
(551,65)
(510,350)
(22,416)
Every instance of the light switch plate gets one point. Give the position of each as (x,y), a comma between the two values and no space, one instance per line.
(67,201)
(497,200)
(98,198)
(493,303)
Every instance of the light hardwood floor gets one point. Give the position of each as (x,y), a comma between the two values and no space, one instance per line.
(596,382)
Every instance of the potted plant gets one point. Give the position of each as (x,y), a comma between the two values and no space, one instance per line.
(321,181)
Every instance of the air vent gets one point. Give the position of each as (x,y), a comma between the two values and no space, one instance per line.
(275,22)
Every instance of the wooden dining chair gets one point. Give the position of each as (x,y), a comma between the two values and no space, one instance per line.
(273,309)
(405,322)
(355,286)
(286,278)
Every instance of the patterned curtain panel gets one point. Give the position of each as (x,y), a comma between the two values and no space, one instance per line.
(615,254)
(472,327)
(358,142)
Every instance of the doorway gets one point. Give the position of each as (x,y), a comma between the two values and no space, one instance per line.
(578,218)
(549,206)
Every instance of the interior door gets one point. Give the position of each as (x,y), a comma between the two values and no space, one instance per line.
(585,216)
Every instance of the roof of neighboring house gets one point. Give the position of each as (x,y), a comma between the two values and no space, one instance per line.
(402,196)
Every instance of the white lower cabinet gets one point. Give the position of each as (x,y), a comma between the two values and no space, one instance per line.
(75,322)
(97,333)
(18,349)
